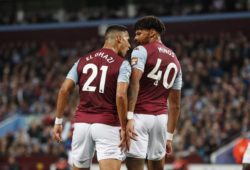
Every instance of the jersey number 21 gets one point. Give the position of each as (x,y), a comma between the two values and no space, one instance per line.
(94,68)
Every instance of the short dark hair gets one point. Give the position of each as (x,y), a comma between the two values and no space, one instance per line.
(150,22)
(119,28)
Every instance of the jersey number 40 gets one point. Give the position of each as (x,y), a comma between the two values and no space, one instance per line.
(156,74)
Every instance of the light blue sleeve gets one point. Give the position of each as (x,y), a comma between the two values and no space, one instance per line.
(178,82)
(139,58)
(125,72)
(72,74)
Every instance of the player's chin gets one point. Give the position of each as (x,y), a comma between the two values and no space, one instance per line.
(141,43)
(120,53)
(123,53)
(137,43)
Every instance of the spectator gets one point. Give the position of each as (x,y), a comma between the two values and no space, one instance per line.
(26,15)
(12,164)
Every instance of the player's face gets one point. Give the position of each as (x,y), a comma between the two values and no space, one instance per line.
(125,45)
(142,36)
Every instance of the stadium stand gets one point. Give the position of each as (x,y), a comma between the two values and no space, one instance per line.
(46,11)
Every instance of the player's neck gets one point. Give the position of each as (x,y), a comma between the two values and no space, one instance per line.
(110,46)
(155,39)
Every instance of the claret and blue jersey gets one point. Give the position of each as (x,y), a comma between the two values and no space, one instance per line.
(97,75)
(161,72)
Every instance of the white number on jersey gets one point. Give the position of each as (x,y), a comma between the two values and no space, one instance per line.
(94,68)
(156,74)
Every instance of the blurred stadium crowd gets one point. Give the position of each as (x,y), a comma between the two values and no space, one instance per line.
(19,13)
(215,98)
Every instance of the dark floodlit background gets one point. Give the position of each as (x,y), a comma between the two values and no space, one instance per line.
(41,39)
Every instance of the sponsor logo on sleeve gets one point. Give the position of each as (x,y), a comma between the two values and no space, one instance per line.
(134,61)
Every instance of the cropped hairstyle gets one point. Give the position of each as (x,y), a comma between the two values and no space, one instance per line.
(114,28)
(150,22)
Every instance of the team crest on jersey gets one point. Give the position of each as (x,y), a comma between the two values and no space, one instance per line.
(134,60)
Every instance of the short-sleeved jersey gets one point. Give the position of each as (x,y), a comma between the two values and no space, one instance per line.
(161,72)
(97,75)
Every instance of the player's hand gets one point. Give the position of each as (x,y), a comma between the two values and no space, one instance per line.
(130,132)
(123,142)
(57,131)
(169,148)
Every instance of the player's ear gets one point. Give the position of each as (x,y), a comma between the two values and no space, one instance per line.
(152,33)
(118,38)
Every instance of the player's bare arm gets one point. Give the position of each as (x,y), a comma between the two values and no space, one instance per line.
(134,88)
(122,108)
(122,103)
(62,99)
(173,115)
(132,99)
